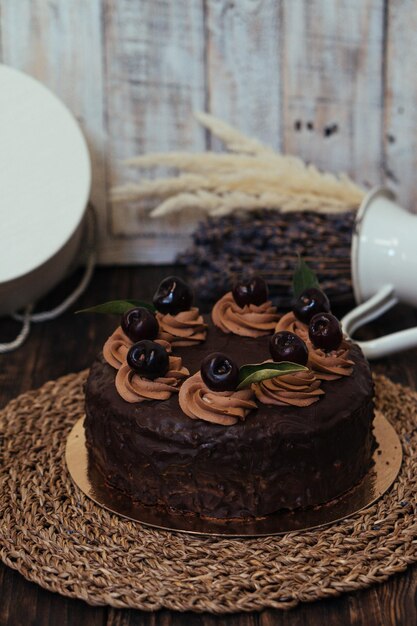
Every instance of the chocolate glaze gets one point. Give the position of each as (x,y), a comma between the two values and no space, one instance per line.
(280,457)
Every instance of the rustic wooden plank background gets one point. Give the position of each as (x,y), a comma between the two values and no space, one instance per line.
(333,82)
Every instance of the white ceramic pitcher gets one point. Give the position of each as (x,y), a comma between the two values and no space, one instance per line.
(384,269)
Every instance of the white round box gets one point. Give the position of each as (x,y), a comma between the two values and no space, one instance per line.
(45,178)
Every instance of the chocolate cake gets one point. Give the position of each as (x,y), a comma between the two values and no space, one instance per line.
(273,456)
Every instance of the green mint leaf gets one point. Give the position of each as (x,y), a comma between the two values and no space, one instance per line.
(303,278)
(258,372)
(117,307)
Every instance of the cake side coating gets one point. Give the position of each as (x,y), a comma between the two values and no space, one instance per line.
(280,457)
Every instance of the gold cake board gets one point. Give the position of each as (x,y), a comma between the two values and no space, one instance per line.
(57,537)
(386,465)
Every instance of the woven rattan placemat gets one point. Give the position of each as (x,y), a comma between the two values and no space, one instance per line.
(55,536)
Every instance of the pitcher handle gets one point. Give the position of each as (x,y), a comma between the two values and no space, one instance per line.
(369,310)
(381,302)
(383,346)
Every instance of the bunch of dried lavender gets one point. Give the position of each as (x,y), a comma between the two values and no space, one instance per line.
(267,243)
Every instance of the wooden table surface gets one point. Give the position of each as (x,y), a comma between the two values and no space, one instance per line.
(69,344)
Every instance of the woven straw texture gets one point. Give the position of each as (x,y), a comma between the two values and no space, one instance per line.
(55,536)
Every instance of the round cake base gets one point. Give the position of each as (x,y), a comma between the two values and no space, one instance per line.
(387,460)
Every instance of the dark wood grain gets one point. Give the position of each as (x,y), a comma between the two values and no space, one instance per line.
(69,344)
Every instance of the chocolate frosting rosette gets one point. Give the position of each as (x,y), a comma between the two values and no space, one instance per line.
(149,373)
(290,323)
(312,321)
(212,395)
(180,323)
(135,388)
(186,328)
(333,364)
(328,351)
(309,302)
(297,389)
(218,407)
(117,346)
(246,310)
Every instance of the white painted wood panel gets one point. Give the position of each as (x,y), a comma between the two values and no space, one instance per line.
(400,136)
(155,79)
(333,84)
(244,66)
(60,43)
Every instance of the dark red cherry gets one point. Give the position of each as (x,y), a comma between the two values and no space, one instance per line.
(139,323)
(219,372)
(173,296)
(251,291)
(325,332)
(148,359)
(286,346)
(309,303)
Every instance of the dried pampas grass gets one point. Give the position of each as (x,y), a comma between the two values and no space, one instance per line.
(250,177)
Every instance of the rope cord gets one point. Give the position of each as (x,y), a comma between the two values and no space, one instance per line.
(22,336)
(27,318)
